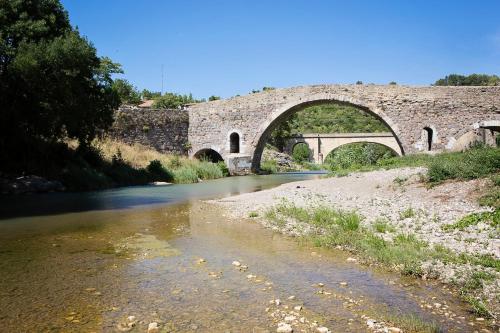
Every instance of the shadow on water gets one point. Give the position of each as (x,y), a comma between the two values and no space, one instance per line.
(136,196)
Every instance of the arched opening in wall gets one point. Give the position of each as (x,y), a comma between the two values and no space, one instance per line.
(208,155)
(234,143)
(301,152)
(428,134)
(306,120)
(358,154)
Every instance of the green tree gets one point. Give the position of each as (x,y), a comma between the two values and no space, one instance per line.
(213,98)
(470,80)
(126,91)
(146,94)
(173,101)
(301,153)
(52,84)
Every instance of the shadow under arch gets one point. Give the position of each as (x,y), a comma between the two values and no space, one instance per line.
(208,154)
(394,152)
(283,114)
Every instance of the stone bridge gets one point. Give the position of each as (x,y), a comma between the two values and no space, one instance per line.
(420,118)
(323,144)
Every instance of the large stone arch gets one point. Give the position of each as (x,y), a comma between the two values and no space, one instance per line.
(283,113)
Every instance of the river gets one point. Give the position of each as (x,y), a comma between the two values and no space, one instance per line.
(87,262)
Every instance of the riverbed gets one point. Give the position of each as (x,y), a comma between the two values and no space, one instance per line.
(122,259)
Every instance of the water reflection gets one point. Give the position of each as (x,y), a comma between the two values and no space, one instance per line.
(136,196)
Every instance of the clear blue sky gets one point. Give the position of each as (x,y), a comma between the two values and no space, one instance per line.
(231,47)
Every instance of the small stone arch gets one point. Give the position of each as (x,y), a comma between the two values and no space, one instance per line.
(208,154)
(295,144)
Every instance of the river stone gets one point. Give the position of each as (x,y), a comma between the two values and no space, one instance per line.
(284,328)
(153,328)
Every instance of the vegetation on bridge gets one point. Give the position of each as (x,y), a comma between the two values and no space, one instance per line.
(469,80)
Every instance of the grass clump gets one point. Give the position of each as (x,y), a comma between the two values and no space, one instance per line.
(269,166)
(407,213)
(492,218)
(412,323)
(253,214)
(382,225)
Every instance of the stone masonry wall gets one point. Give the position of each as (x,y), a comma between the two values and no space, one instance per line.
(164,130)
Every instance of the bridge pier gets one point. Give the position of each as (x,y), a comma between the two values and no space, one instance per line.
(239,164)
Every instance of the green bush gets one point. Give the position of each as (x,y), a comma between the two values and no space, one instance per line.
(301,153)
(269,166)
(471,164)
(185,175)
(208,170)
(223,167)
(356,155)
(158,172)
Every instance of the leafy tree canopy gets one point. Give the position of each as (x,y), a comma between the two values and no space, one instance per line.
(213,98)
(173,101)
(146,94)
(470,80)
(52,84)
(126,91)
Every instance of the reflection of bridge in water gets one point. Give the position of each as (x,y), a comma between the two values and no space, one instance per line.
(323,144)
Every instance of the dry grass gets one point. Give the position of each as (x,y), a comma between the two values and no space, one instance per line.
(139,156)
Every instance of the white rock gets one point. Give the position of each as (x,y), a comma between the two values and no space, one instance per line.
(351,259)
(291,298)
(297,307)
(131,318)
(236,263)
(322,329)
(394,330)
(290,318)
(284,328)
(153,328)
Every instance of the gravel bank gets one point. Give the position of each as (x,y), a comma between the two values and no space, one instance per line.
(386,194)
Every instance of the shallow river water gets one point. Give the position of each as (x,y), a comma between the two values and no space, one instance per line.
(85,262)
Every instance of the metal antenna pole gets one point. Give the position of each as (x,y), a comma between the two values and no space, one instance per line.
(161,79)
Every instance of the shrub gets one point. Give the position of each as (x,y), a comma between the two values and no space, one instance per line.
(208,170)
(185,175)
(158,172)
(269,166)
(301,153)
(357,155)
(223,167)
(471,164)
